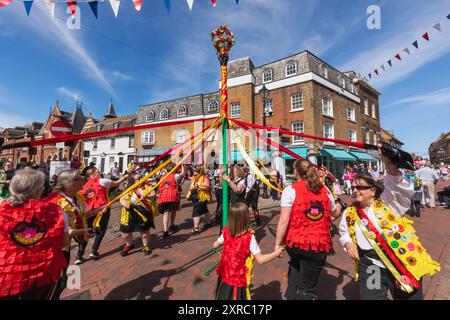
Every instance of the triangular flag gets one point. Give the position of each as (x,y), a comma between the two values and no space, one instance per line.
(72,6)
(448,17)
(137,4)
(168,4)
(407,51)
(115,6)
(214,2)
(94,8)
(416,44)
(398,57)
(390,62)
(51,7)
(237,2)
(426,36)
(4,3)
(376,71)
(190,4)
(370,75)
(382,67)
(438,27)
(28,5)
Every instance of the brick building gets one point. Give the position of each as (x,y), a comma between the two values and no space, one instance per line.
(389,137)
(51,152)
(439,150)
(17,136)
(305,95)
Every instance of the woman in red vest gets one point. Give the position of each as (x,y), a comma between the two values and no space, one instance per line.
(304,227)
(235,269)
(32,234)
(169,199)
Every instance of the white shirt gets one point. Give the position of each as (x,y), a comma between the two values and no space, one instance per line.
(115,172)
(105,183)
(288,197)
(396,195)
(254,248)
(250,182)
(427,174)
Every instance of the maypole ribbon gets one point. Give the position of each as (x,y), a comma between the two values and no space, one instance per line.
(252,165)
(98,218)
(177,165)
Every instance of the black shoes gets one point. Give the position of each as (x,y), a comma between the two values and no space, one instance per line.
(94,255)
(173,228)
(195,231)
(125,250)
(165,234)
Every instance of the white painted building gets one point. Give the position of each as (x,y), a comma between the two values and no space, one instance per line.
(119,147)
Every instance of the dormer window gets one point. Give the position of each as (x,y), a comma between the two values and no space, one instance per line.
(291,68)
(342,82)
(182,111)
(267,75)
(323,71)
(99,127)
(213,106)
(150,117)
(116,125)
(164,115)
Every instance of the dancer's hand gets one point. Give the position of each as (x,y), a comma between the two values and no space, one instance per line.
(279,251)
(351,250)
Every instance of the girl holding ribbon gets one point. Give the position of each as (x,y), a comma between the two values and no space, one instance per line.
(377,237)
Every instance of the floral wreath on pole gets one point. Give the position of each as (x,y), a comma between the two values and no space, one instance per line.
(223,40)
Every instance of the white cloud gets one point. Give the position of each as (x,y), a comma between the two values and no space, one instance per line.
(437,97)
(57,33)
(120,76)
(410,26)
(70,93)
(9,120)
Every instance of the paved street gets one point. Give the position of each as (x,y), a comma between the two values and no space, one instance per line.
(175,269)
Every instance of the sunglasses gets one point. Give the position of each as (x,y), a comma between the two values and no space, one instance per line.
(361,188)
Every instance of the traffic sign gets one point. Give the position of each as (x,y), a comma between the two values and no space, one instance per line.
(61,128)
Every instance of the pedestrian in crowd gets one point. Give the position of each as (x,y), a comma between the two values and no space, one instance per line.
(210,174)
(32,234)
(236,184)
(429,179)
(90,166)
(417,196)
(95,194)
(169,199)
(276,179)
(348,176)
(75,164)
(235,268)
(444,197)
(307,207)
(374,222)
(218,193)
(362,170)
(444,172)
(139,210)
(6,174)
(66,195)
(375,173)
(200,193)
(115,172)
(252,195)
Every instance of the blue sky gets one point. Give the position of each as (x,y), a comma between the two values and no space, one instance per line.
(154,55)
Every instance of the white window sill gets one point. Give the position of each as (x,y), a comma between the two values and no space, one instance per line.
(328,116)
(351,120)
(236,116)
(297,110)
(298,143)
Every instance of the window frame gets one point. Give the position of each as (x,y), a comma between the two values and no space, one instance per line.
(112,143)
(301,102)
(216,109)
(233,104)
(270,71)
(366,107)
(116,125)
(152,114)
(352,138)
(297,139)
(373,107)
(353,118)
(323,70)
(185,111)
(332,130)
(288,64)
(146,137)
(165,111)
(94,145)
(268,102)
(331,107)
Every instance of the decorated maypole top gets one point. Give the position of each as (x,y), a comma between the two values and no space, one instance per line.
(223,40)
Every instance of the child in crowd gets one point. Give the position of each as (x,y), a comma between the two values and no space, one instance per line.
(235,269)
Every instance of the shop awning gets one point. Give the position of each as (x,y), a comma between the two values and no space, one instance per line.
(339,154)
(363,156)
(301,151)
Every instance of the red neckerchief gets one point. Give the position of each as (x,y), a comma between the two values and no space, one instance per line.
(145,202)
(380,240)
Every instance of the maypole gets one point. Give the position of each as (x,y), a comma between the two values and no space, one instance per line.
(223,40)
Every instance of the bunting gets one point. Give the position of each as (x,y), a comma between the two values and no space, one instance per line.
(115,6)
(437,26)
(72,6)
(448,17)
(28,4)
(426,36)
(370,76)
(382,67)
(398,57)
(51,7)
(407,51)
(390,62)
(4,3)
(214,2)
(137,4)
(416,44)
(376,71)
(190,4)
(168,4)
(94,8)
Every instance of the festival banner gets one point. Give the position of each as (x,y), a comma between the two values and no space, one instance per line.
(407,51)
(382,67)
(28,4)
(51,7)
(190,4)
(4,3)
(416,44)
(94,8)
(72,6)
(398,57)
(137,5)
(390,62)
(168,4)
(438,27)
(426,36)
(115,6)
(214,2)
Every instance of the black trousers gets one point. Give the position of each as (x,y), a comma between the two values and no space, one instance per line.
(304,271)
(62,282)
(371,288)
(98,237)
(35,293)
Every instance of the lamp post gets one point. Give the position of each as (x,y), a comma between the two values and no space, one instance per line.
(264,92)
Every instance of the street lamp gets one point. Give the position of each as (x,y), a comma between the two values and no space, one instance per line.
(264,92)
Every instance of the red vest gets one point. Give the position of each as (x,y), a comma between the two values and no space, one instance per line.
(94,194)
(31,239)
(232,269)
(309,225)
(168,190)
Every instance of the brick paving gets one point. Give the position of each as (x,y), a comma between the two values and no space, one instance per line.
(175,269)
